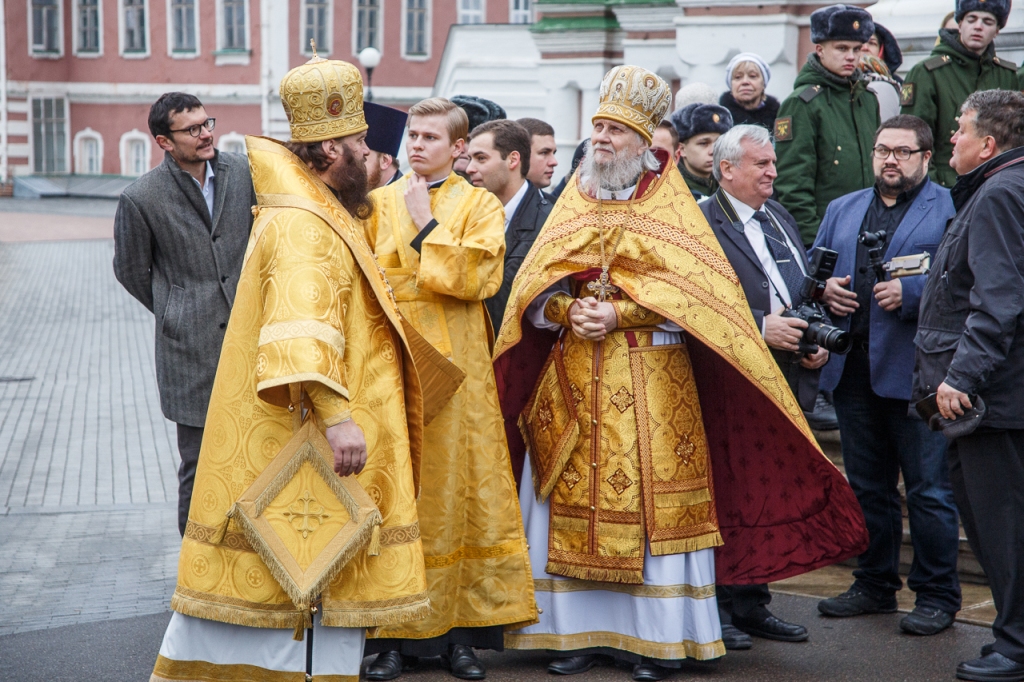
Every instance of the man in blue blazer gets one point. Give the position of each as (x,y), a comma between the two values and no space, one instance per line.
(872,384)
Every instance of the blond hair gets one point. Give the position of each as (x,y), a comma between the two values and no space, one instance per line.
(456,120)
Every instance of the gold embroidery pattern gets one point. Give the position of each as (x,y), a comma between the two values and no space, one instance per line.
(622,400)
(649,591)
(401,535)
(310,510)
(298,329)
(685,449)
(620,481)
(207,535)
(545,416)
(577,394)
(571,476)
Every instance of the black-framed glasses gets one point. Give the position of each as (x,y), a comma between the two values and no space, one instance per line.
(882,152)
(208,124)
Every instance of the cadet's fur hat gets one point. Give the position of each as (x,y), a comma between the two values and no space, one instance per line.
(697,119)
(892,55)
(1000,9)
(478,109)
(841,22)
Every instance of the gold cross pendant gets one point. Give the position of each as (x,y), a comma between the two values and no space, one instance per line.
(602,286)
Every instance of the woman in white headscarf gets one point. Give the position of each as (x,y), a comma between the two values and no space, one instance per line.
(747,76)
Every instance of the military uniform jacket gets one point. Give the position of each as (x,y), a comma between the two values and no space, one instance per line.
(936,88)
(824,135)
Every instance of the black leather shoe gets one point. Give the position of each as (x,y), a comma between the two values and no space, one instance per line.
(735,639)
(464,664)
(573,665)
(649,672)
(853,602)
(763,624)
(992,668)
(926,620)
(389,665)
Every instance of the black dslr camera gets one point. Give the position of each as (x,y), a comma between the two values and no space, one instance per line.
(811,311)
(875,244)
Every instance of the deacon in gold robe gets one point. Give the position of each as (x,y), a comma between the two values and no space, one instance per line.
(314,328)
(645,393)
(441,242)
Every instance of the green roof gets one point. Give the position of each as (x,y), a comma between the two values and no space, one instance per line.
(555,23)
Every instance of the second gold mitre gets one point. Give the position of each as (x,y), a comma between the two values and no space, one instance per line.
(634,97)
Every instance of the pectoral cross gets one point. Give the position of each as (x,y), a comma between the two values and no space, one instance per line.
(602,286)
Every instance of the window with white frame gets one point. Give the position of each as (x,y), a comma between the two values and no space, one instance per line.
(88,152)
(183,26)
(368,17)
(49,135)
(134,26)
(233,34)
(87,23)
(520,12)
(316,26)
(416,28)
(471,11)
(232,142)
(45,28)
(135,153)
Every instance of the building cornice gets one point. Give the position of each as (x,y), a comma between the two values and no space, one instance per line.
(647,18)
(134,93)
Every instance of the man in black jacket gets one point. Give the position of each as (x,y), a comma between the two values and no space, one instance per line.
(499,154)
(762,242)
(970,346)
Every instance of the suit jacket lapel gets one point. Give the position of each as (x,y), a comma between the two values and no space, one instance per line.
(188,187)
(915,214)
(521,225)
(733,231)
(220,185)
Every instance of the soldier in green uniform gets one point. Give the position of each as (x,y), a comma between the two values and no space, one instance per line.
(699,125)
(963,61)
(826,128)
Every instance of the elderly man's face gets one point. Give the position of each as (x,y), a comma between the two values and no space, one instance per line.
(970,149)
(752,179)
(610,139)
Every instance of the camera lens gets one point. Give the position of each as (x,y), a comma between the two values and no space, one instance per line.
(832,339)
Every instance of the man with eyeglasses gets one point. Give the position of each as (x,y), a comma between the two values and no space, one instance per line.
(963,61)
(179,236)
(903,214)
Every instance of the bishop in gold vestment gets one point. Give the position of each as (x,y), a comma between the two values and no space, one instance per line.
(633,436)
(314,311)
(473,541)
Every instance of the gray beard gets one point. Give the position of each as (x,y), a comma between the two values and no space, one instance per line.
(621,172)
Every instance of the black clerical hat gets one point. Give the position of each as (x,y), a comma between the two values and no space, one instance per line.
(387,126)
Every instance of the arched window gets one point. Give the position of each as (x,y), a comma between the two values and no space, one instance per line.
(232,143)
(88,145)
(135,153)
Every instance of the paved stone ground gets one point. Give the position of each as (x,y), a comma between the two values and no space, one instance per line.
(88,487)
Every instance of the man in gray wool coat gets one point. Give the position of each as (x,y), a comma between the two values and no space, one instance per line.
(179,237)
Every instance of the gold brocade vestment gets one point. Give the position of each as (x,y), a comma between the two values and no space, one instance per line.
(619,433)
(474,546)
(311,308)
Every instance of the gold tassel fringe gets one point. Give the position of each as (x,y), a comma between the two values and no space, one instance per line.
(605,575)
(373,549)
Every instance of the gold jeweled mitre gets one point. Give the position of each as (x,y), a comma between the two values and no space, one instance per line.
(323,100)
(634,97)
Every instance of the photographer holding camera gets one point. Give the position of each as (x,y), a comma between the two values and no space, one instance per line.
(903,214)
(762,242)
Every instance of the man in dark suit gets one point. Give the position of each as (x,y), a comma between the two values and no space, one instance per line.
(907,213)
(762,242)
(179,237)
(499,161)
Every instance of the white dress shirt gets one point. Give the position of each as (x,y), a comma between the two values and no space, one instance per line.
(755,235)
(513,204)
(207,188)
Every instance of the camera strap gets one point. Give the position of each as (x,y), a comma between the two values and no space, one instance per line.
(733,217)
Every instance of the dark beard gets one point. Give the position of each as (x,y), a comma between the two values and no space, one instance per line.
(349,182)
(905,183)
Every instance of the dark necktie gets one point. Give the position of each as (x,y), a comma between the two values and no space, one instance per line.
(791,272)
